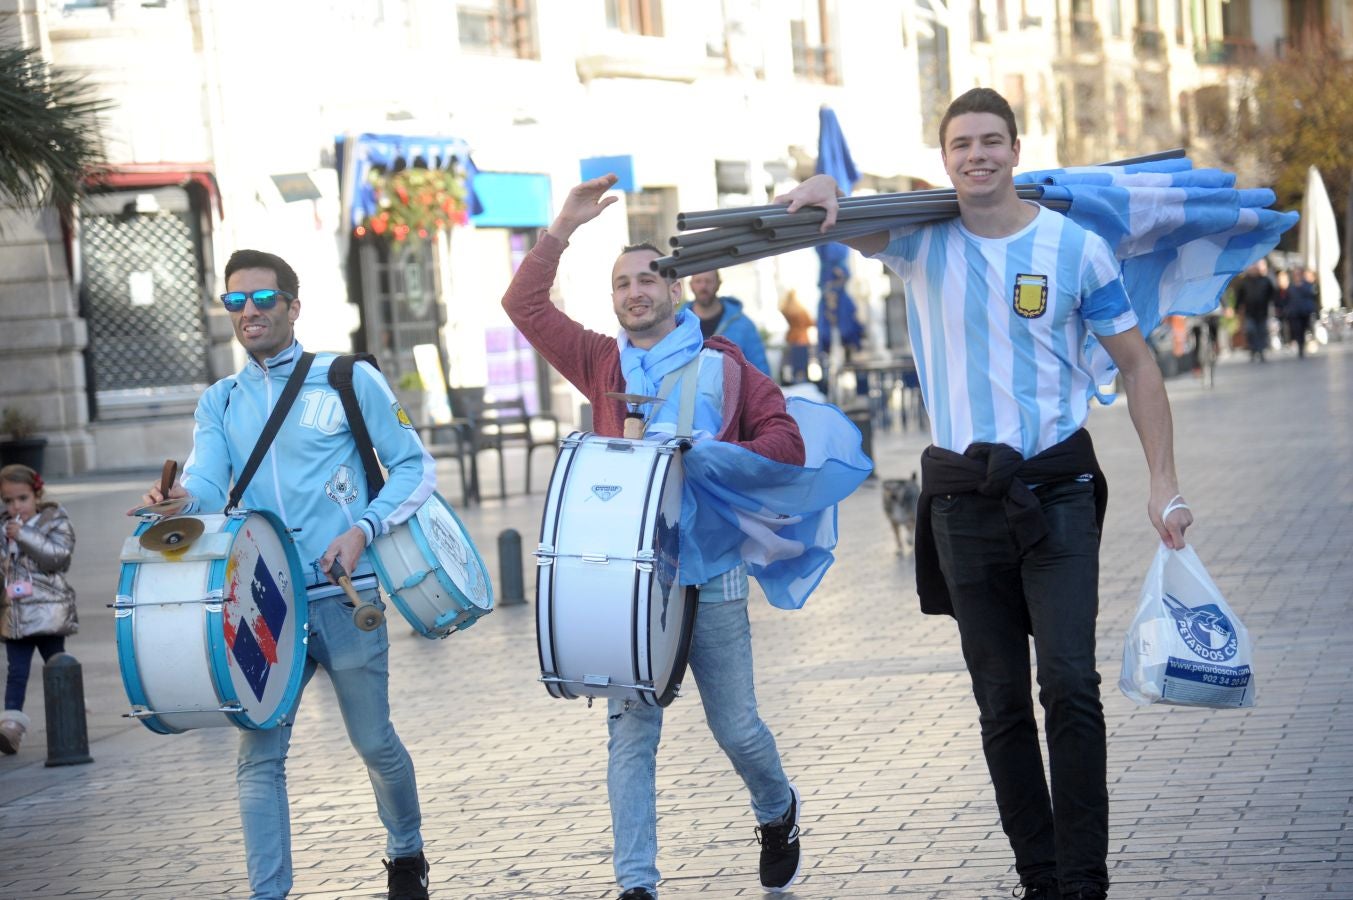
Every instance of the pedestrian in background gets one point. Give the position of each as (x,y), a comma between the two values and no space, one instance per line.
(1255,294)
(37,606)
(797,341)
(1301,305)
(724,316)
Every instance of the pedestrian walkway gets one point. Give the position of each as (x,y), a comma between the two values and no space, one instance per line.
(869,701)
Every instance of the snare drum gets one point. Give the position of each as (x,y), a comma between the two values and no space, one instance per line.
(213,634)
(611,618)
(432,572)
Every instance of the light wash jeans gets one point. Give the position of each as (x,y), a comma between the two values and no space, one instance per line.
(358,666)
(721,661)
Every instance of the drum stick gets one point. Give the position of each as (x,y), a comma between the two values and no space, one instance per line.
(167,476)
(366,616)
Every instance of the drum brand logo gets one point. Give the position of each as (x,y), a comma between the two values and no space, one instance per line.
(605,491)
(1204,629)
(1031,295)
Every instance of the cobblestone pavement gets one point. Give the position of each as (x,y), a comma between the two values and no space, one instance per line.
(868,699)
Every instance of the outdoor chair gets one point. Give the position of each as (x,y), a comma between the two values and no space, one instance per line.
(494,424)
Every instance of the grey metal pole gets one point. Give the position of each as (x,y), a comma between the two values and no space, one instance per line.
(67,736)
(511,589)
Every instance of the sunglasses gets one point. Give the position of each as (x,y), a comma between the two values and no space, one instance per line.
(265,299)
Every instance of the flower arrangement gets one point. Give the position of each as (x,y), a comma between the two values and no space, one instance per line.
(415,202)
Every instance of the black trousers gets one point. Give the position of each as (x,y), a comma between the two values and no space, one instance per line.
(1001,595)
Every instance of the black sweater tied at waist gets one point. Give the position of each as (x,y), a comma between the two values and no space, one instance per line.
(997,470)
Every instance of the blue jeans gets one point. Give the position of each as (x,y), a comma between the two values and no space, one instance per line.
(721,661)
(19,654)
(358,666)
(1000,596)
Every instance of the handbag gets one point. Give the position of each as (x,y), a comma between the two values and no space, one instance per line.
(1186,645)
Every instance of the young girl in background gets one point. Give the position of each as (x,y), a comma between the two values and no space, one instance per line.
(37,606)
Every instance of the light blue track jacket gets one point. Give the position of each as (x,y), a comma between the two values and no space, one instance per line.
(312,475)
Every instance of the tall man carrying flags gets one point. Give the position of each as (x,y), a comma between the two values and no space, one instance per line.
(999,303)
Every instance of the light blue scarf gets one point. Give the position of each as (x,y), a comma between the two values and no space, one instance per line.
(645,369)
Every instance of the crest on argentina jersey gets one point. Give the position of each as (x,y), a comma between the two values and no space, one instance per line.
(1031,295)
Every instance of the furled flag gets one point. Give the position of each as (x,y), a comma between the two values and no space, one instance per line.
(778,518)
(1319,246)
(1180,233)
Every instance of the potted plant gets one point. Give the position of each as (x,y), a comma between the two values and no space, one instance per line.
(20,445)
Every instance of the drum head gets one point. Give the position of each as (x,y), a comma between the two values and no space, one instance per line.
(455,552)
(263,616)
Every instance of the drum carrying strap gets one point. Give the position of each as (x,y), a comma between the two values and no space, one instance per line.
(270,428)
(340,379)
(686,409)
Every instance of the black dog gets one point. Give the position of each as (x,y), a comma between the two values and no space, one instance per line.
(899,505)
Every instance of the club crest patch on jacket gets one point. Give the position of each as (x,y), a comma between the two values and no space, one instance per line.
(1031,295)
(341,486)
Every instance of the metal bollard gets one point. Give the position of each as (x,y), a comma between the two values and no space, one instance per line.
(64,687)
(864,420)
(510,587)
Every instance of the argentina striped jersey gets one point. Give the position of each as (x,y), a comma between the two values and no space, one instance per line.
(998,327)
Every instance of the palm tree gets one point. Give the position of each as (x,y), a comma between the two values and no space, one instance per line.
(49,138)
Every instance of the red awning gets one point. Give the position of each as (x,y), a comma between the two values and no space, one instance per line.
(148,175)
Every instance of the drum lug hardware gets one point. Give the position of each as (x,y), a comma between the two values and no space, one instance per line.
(545,555)
(620,446)
(600,559)
(644,559)
(122,606)
(598,681)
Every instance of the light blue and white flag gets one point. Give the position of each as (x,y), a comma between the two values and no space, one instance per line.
(778,518)
(1181,234)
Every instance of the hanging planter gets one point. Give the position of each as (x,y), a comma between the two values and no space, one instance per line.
(414,203)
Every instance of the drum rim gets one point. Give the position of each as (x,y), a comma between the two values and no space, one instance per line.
(545,608)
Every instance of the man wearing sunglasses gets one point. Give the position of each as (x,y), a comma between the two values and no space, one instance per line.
(311,477)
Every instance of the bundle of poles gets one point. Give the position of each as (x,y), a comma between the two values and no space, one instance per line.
(712,239)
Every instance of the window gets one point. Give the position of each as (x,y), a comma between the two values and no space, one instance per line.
(1116,18)
(497,27)
(1014,95)
(1120,115)
(1002,16)
(1179,22)
(979,23)
(810,35)
(651,212)
(635,16)
(1148,14)
(932,63)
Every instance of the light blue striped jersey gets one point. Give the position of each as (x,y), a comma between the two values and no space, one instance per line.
(998,327)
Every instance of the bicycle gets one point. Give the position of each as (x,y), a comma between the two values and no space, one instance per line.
(1206,347)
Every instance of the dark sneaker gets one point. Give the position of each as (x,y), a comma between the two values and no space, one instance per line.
(780,860)
(1087,892)
(407,877)
(636,894)
(1039,889)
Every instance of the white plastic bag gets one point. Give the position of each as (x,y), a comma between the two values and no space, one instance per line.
(1186,646)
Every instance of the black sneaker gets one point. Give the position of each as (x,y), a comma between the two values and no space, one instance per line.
(636,894)
(1039,889)
(407,877)
(779,842)
(1087,892)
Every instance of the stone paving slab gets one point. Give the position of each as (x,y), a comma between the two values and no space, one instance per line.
(868,699)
